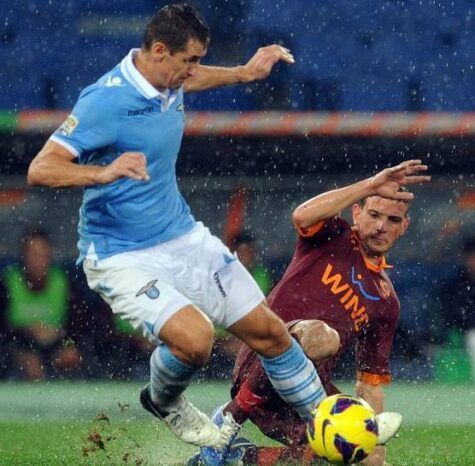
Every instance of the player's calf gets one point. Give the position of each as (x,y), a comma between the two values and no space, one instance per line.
(291,373)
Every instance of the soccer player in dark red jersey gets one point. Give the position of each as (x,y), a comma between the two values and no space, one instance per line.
(334,293)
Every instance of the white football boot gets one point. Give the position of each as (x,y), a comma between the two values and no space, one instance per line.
(388,426)
(186,422)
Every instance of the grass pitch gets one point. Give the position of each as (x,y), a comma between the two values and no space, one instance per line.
(103,424)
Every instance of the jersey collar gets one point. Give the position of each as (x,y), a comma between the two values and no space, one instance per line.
(133,75)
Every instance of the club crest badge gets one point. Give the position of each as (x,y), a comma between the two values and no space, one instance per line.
(150,290)
(383,289)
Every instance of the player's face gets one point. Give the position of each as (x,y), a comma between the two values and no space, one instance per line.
(172,70)
(380,222)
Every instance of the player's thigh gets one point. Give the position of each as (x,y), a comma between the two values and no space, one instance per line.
(317,339)
(141,295)
(216,281)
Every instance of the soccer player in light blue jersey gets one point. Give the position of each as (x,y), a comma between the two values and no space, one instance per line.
(141,248)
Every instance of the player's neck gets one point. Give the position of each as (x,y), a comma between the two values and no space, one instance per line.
(371,256)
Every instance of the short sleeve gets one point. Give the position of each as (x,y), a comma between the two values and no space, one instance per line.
(330,227)
(91,125)
(322,233)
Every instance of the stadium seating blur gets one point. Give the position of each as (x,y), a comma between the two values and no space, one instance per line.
(352,55)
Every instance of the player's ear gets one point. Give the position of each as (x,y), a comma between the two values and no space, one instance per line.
(356,210)
(158,50)
(405,225)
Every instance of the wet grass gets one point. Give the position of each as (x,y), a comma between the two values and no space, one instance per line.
(95,424)
(149,443)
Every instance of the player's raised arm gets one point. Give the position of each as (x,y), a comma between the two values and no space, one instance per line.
(257,68)
(386,184)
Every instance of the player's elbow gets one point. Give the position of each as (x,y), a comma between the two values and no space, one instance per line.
(33,176)
(305,216)
(299,218)
(37,173)
(41,171)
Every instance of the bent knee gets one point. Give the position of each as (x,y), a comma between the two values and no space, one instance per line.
(195,345)
(191,342)
(330,339)
(318,340)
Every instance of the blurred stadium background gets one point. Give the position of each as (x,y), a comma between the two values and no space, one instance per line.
(373,83)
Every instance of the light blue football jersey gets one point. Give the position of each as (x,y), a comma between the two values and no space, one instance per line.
(122,112)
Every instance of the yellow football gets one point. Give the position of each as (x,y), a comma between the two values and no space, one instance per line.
(343,429)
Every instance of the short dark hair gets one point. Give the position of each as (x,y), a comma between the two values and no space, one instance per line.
(175,25)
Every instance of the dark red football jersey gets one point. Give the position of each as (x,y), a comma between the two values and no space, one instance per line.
(329,279)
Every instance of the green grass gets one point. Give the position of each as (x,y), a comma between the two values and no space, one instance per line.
(434,446)
(99,423)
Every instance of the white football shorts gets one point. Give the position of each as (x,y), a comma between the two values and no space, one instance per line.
(146,287)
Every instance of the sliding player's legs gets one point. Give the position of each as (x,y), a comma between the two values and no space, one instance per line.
(256,388)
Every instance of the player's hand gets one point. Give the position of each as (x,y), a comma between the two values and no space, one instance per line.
(387,182)
(261,64)
(127,165)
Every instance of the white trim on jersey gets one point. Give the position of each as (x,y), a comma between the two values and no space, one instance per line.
(133,75)
(67,146)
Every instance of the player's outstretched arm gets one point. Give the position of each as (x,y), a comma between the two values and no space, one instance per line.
(54,166)
(257,68)
(386,183)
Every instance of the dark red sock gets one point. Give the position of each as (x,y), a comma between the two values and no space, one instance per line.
(243,404)
(252,394)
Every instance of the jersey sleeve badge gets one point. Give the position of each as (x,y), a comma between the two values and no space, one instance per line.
(69,125)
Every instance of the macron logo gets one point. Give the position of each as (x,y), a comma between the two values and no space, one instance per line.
(114,82)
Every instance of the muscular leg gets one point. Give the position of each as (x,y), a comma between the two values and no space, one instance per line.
(318,340)
(282,423)
(187,341)
(291,373)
